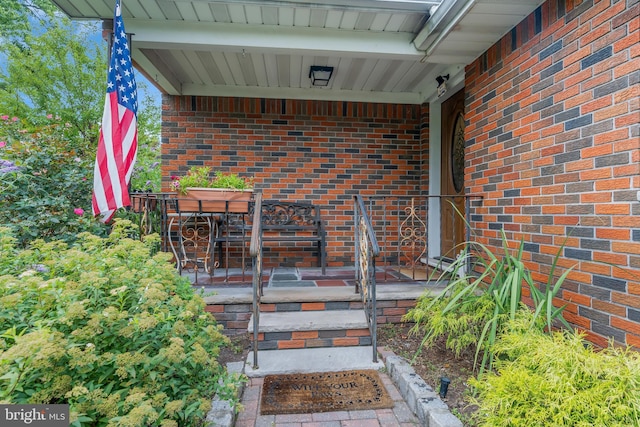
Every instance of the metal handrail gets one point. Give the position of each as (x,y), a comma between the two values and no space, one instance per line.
(255,252)
(367,249)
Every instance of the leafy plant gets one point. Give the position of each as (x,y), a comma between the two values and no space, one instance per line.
(555,380)
(231,180)
(472,308)
(75,71)
(108,329)
(147,174)
(46,181)
(200,177)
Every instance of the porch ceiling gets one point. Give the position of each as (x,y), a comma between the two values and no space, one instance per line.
(381,50)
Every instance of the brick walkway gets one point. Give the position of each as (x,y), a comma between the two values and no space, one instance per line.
(399,416)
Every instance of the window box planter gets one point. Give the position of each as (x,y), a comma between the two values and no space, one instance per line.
(220,200)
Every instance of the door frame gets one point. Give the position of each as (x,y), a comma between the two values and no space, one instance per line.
(435,165)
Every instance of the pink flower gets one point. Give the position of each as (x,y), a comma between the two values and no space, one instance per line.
(3,144)
(84,178)
(15,119)
(5,117)
(49,116)
(78,211)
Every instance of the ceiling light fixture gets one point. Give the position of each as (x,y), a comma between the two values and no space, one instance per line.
(320,75)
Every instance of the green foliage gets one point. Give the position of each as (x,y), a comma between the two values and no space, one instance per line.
(231,180)
(472,309)
(16,14)
(147,174)
(58,71)
(557,380)
(200,177)
(58,68)
(54,84)
(108,329)
(46,182)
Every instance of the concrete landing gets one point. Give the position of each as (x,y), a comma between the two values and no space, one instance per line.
(311,360)
(310,294)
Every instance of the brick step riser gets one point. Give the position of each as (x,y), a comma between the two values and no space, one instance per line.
(310,306)
(313,339)
(235,317)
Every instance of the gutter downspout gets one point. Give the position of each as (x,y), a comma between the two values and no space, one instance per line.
(440,25)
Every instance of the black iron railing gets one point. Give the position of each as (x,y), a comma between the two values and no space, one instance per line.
(366,251)
(402,224)
(255,251)
(191,230)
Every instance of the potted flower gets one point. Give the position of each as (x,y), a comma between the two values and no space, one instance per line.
(224,192)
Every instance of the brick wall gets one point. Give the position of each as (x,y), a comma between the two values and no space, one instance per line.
(319,151)
(553,145)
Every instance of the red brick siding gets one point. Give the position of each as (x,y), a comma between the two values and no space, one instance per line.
(553,146)
(318,151)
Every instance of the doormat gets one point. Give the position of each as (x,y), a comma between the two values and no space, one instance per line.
(418,273)
(323,392)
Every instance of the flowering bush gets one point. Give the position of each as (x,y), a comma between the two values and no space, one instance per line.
(108,329)
(45,181)
(200,177)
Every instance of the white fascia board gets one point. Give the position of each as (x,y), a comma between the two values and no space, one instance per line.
(204,36)
(316,94)
(364,5)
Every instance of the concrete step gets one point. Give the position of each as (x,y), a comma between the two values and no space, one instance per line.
(232,306)
(233,295)
(311,360)
(311,329)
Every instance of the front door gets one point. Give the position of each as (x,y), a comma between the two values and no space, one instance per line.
(452,209)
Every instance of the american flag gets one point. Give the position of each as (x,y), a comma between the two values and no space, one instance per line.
(118,142)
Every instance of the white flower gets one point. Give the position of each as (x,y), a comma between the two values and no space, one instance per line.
(27,273)
(119,290)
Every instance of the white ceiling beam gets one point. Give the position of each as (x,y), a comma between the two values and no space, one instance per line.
(256,39)
(161,78)
(317,94)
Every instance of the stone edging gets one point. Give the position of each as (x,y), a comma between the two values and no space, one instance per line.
(222,414)
(419,396)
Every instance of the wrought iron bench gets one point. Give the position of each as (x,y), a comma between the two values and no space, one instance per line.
(282,221)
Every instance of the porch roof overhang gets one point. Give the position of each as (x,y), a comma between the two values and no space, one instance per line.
(381,50)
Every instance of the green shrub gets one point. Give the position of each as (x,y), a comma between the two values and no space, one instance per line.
(108,329)
(46,179)
(557,380)
(473,307)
